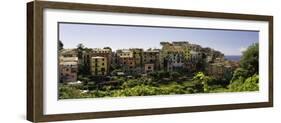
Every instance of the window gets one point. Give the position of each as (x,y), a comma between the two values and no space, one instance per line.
(102,69)
(73,70)
(149,67)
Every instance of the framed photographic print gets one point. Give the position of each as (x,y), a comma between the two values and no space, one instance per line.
(96,61)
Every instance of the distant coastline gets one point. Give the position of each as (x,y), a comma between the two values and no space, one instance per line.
(233,57)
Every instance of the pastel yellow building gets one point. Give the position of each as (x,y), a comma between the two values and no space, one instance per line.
(99,66)
(137,55)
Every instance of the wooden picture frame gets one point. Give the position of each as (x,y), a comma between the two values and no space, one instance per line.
(35,62)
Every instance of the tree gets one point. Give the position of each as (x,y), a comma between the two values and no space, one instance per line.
(163,74)
(175,75)
(250,59)
(238,74)
(83,68)
(245,78)
(201,64)
(60,45)
(107,48)
(226,79)
(248,84)
(80,46)
(129,84)
(154,75)
(251,84)
(67,92)
(80,49)
(203,79)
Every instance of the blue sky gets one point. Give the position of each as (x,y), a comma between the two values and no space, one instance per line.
(229,42)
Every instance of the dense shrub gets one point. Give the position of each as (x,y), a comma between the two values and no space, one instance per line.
(248,84)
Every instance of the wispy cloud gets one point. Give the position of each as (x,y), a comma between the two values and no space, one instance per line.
(242,49)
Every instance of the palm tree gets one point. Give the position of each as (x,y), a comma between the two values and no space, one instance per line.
(80,49)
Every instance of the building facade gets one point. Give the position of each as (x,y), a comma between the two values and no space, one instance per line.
(68,67)
(151,58)
(137,56)
(99,66)
(174,55)
(125,59)
(68,53)
(103,52)
(148,68)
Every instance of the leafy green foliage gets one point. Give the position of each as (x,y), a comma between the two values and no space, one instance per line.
(175,75)
(244,78)
(199,84)
(241,84)
(250,59)
(239,74)
(69,92)
(204,80)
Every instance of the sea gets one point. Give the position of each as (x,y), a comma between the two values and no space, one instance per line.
(233,57)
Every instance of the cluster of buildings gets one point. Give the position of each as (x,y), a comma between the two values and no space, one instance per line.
(68,65)
(172,56)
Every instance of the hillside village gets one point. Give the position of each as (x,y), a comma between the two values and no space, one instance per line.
(101,64)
